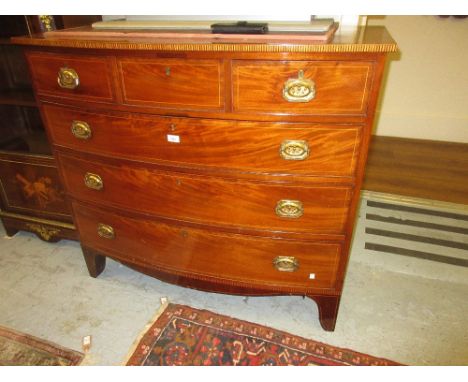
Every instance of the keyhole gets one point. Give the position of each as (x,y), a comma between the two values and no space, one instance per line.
(172,127)
(168,71)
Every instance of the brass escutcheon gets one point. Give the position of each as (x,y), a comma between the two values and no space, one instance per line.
(93,181)
(68,78)
(286,263)
(81,130)
(105,231)
(47,22)
(299,89)
(294,150)
(286,208)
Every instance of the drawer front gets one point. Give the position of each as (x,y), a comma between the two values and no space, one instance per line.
(208,200)
(172,83)
(300,149)
(229,257)
(301,87)
(72,76)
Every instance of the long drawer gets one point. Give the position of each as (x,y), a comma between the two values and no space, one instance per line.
(301,87)
(285,148)
(210,200)
(264,262)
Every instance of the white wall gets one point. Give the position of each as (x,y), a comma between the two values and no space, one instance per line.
(426,89)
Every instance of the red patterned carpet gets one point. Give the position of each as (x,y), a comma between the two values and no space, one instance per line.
(186,336)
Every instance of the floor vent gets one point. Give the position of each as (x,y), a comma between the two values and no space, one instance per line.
(423,233)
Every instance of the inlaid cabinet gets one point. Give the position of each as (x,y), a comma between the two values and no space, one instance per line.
(31,194)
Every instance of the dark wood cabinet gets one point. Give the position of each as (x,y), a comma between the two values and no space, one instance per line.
(31,195)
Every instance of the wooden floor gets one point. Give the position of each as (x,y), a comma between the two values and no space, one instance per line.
(418,168)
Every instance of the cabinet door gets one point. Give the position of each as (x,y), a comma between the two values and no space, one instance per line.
(30,185)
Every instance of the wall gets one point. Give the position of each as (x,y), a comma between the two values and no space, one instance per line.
(426,85)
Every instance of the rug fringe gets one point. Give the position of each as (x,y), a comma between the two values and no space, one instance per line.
(159,312)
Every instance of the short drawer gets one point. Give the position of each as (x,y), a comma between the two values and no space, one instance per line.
(206,199)
(257,147)
(301,87)
(172,83)
(262,262)
(72,76)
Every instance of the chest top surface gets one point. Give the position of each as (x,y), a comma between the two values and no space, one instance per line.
(362,39)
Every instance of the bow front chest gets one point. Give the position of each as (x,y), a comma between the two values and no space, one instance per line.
(228,167)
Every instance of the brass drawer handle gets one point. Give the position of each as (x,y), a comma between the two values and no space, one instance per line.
(93,181)
(68,78)
(294,150)
(299,89)
(286,208)
(81,130)
(105,231)
(286,263)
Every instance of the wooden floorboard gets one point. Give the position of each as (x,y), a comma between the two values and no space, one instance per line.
(418,168)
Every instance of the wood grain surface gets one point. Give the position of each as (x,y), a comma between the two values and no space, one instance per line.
(418,168)
(172,82)
(341,87)
(206,254)
(242,146)
(209,200)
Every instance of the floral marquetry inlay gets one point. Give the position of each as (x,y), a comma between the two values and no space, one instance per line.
(41,191)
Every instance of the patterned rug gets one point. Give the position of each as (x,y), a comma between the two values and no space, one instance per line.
(182,335)
(19,349)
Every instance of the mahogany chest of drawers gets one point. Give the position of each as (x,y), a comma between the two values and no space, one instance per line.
(227,167)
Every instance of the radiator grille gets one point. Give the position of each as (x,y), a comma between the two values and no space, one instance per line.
(423,233)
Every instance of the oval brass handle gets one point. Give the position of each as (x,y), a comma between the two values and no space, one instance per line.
(299,89)
(81,130)
(294,150)
(68,78)
(105,231)
(286,263)
(93,181)
(286,208)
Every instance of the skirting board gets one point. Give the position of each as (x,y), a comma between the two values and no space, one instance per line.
(411,201)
